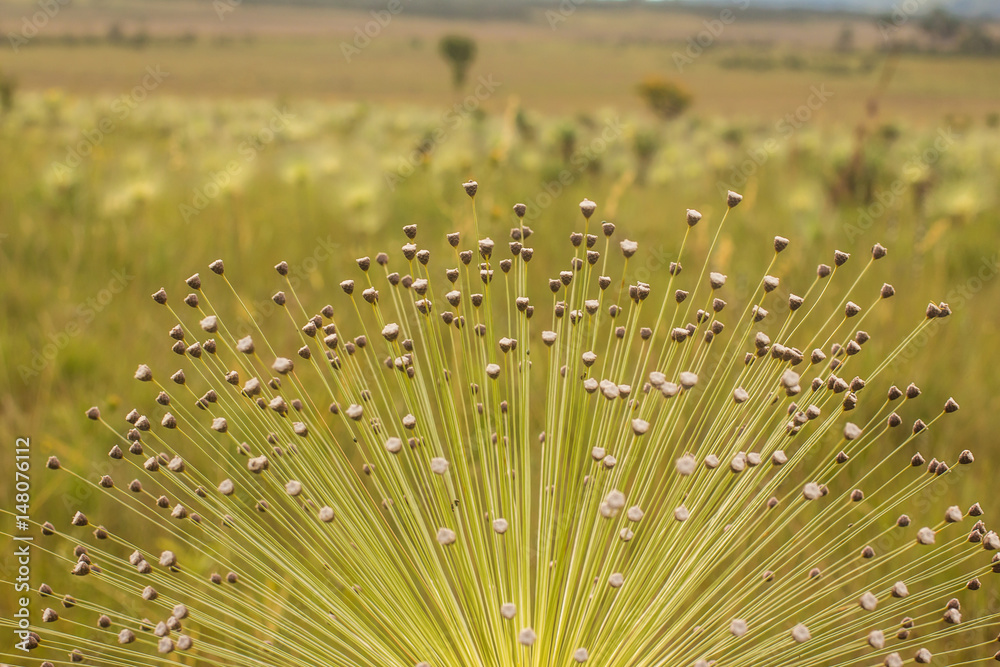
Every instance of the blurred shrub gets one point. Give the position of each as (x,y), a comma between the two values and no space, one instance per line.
(667,99)
(459,52)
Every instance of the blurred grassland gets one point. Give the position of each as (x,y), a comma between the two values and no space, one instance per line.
(322,182)
(761,64)
(565,124)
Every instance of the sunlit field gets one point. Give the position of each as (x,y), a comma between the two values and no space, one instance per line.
(126,167)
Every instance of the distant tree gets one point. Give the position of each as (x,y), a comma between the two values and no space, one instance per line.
(459,51)
(7,87)
(645,143)
(940,24)
(667,99)
(566,139)
(845,40)
(115,34)
(978,42)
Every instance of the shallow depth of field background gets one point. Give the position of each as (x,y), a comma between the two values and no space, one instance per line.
(141,140)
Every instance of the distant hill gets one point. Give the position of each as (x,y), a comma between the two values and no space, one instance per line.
(515,9)
(970,8)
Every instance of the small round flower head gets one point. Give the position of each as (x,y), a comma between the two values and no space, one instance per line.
(587,207)
(640,426)
(800,633)
(716,280)
(686,465)
(893,660)
(616,580)
(733,198)
(780,243)
(789,378)
(629,248)
(245,345)
(925,536)
(325,514)
(634,514)
(580,655)
(693,217)
(811,491)
(738,627)
(991,541)
(446,536)
(526,637)
(390,331)
(615,499)
(168,559)
(143,373)
(868,601)
(439,465)
(393,445)
(682,514)
(471,187)
(852,431)
(500,526)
